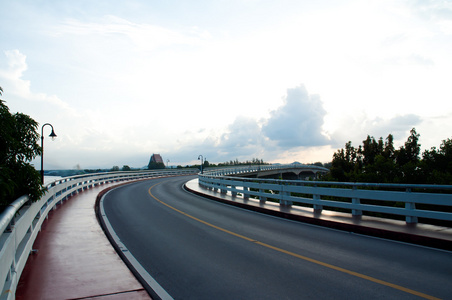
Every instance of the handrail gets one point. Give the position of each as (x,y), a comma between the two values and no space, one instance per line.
(21,221)
(10,211)
(257,168)
(353,197)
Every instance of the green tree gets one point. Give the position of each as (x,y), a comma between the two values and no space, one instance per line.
(343,164)
(407,160)
(371,148)
(389,150)
(436,164)
(378,161)
(410,152)
(18,146)
(205,164)
(126,168)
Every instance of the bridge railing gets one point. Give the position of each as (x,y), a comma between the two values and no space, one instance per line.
(21,221)
(409,201)
(237,170)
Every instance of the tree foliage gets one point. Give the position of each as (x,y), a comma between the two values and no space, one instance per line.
(236,162)
(378,161)
(437,163)
(18,146)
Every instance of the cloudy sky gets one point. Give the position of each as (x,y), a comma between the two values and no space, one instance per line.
(281,80)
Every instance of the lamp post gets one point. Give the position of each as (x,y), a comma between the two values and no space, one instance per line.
(53,136)
(200,157)
(167,163)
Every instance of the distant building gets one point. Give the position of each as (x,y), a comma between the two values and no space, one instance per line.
(156,158)
(156,162)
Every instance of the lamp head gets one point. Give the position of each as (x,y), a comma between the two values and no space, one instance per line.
(53,135)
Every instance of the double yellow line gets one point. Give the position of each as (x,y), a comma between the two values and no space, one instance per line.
(375,280)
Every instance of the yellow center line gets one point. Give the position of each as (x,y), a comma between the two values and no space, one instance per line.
(362,276)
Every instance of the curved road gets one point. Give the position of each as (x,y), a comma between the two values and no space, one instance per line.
(196,248)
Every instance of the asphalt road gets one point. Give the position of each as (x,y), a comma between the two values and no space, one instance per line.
(196,248)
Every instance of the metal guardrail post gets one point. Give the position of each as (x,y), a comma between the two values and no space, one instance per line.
(317,207)
(285,196)
(223,189)
(410,206)
(262,198)
(356,201)
(356,212)
(233,192)
(246,195)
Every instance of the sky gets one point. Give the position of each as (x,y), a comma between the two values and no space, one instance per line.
(278,80)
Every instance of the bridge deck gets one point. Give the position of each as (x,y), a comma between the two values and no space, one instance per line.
(422,234)
(75,259)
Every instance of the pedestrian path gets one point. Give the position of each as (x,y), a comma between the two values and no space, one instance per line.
(75,260)
(422,234)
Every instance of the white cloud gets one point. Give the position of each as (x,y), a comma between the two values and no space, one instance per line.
(298,122)
(16,85)
(16,62)
(431,9)
(143,37)
(356,129)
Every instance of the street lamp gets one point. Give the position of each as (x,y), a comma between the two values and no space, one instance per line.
(53,136)
(167,163)
(200,157)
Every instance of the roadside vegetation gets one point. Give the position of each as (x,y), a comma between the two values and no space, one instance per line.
(378,161)
(18,146)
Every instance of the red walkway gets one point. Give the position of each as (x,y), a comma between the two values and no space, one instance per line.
(75,260)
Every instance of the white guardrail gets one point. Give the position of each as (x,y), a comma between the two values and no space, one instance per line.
(21,221)
(394,199)
(262,168)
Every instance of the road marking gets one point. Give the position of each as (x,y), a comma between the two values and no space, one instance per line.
(327,265)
